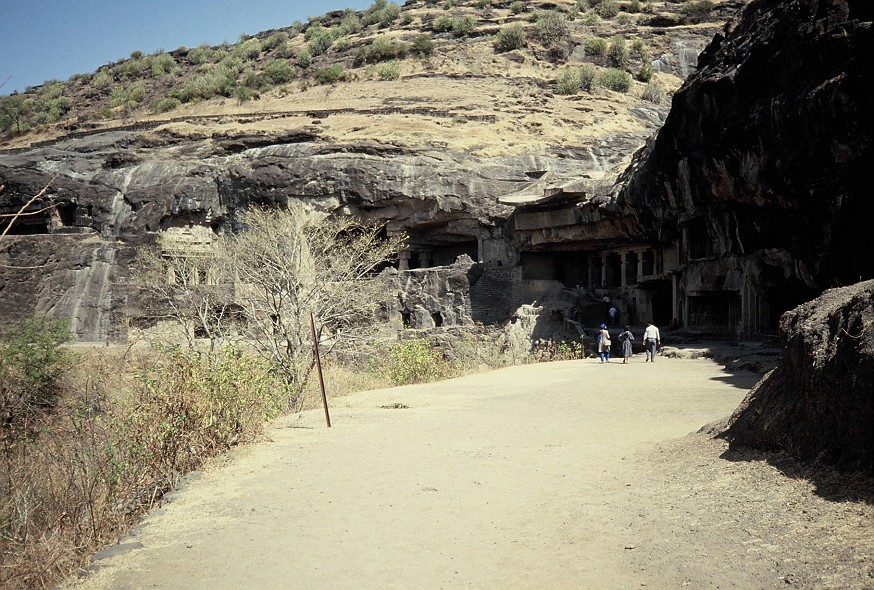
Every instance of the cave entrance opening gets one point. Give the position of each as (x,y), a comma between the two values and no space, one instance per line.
(662,302)
(428,256)
(67,214)
(447,254)
(631,268)
(569,268)
(716,312)
(25,226)
(613,270)
(780,294)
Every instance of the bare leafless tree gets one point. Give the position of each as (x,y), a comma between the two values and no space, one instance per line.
(284,265)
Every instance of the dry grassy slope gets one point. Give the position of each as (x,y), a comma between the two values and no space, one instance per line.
(466,97)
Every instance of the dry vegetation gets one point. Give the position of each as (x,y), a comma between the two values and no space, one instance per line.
(123,425)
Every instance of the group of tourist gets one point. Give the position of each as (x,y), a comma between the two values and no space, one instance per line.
(651,342)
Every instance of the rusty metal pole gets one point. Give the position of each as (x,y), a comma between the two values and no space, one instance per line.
(319,368)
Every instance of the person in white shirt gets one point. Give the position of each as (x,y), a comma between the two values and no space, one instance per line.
(651,341)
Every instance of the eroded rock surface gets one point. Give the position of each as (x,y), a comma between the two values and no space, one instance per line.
(766,149)
(818,403)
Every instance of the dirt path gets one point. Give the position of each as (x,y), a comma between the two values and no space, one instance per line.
(561,475)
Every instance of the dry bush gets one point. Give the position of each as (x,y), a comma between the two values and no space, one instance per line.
(105,455)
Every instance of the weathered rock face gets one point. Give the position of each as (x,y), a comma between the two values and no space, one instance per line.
(747,202)
(467,294)
(122,186)
(767,145)
(819,402)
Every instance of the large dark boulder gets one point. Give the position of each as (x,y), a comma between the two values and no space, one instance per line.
(818,404)
(768,145)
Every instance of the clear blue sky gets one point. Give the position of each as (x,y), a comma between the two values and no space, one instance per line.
(44,40)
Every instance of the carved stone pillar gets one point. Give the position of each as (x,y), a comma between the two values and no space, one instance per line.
(404,260)
(623,272)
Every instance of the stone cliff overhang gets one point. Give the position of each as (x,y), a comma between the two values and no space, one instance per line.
(561,217)
(545,193)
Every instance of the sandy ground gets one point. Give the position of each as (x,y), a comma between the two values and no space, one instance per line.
(549,476)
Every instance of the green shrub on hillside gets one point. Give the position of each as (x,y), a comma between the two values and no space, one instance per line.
(590,19)
(284,51)
(595,46)
(510,38)
(572,80)
(697,9)
(644,74)
(274,40)
(342,44)
(304,58)
(381,13)
(167,104)
(351,24)
(552,29)
(568,82)
(588,73)
(329,75)
(101,80)
(413,361)
(463,26)
(614,79)
(442,24)
(518,7)
(249,49)
(245,93)
(204,54)
(251,78)
(423,46)
(279,71)
(607,9)
(128,98)
(389,14)
(162,63)
(214,82)
(381,49)
(617,53)
(654,93)
(130,68)
(319,41)
(390,70)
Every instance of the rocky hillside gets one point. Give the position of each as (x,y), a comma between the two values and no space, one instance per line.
(423,118)
(464,62)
